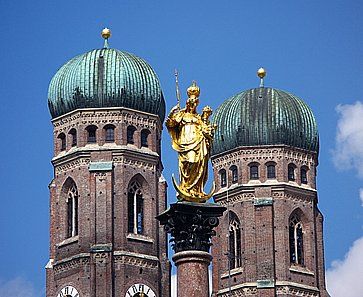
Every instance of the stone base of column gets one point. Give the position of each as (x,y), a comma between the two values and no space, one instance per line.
(192,273)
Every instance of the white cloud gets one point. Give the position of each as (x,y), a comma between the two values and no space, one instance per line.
(344,278)
(174,284)
(17,287)
(361,195)
(348,152)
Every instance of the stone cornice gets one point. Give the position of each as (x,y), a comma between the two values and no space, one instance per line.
(264,154)
(246,192)
(124,154)
(110,115)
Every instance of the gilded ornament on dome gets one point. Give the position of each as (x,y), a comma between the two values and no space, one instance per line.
(192,137)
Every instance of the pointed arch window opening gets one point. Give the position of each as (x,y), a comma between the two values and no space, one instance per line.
(234,171)
(234,244)
(135,209)
(72,211)
(296,241)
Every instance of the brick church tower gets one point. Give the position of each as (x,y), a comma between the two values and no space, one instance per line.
(107,111)
(270,241)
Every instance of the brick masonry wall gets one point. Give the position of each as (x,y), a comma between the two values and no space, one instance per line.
(104,259)
(264,207)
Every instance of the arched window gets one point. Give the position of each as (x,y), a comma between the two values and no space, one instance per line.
(304,175)
(109,133)
(130,134)
(144,137)
(91,134)
(296,240)
(73,134)
(135,209)
(254,171)
(234,172)
(271,170)
(72,211)
(223,178)
(291,172)
(234,239)
(62,139)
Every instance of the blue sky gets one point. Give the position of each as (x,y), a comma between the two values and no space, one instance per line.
(312,49)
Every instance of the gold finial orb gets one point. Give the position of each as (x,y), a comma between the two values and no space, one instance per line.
(261,73)
(106,33)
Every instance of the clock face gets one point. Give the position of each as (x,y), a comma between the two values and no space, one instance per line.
(140,290)
(68,291)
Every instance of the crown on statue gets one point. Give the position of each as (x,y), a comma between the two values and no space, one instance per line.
(193,90)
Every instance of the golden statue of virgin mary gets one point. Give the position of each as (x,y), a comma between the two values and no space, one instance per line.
(192,137)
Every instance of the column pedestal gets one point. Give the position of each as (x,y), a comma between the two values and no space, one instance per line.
(192,273)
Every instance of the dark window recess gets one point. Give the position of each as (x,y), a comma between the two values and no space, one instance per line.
(304,177)
(144,138)
(69,217)
(73,134)
(291,172)
(271,171)
(110,134)
(130,203)
(130,134)
(232,250)
(63,144)
(223,178)
(234,171)
(91,137)
(253,172)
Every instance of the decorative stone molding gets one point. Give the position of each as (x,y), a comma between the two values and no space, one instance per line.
(265,154)
(287,290)
(244,289)
(295,289)
(101,176)
(115,115)
(222,200)
(309,198)
(135,163)
(75,262)
(71,165)
(134,259)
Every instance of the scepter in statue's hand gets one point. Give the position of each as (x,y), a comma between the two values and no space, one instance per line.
(177,88)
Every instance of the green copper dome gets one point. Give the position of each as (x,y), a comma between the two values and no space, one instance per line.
(264,116)
(106,78)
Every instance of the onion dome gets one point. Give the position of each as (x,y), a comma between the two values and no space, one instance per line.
(264,116)
(106,77)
